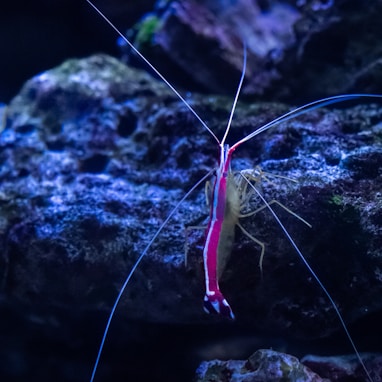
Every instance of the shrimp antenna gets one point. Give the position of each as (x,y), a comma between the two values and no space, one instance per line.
(132,271)
(303,110)
(237,94)
(154,69)
(310,269)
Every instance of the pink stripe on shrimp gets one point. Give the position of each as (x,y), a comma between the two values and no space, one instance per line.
(214,301)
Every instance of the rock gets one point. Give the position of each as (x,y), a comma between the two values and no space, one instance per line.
(345,368)
(335,50)
(95,156)
(296,50)
(269,365)
(261,366)
(197,43)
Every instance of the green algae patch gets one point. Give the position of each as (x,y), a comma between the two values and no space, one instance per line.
(147,29)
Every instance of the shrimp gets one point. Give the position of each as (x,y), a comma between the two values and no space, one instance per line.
(229,196)
(225,208)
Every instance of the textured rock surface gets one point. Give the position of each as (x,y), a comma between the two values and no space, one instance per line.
(345,368)
(296,50)
(269,365)
(262,366)
(94,157)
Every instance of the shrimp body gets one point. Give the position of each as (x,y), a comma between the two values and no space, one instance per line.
(220,235)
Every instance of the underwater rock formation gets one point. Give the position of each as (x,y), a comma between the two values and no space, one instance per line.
(345,368)
(94,157)
(261,366)
(268,365)
(297,50)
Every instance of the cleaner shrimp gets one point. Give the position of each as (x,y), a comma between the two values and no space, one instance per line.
(227,195)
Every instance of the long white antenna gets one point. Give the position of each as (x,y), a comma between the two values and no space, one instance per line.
(237,94)
(155,70)
(303,110)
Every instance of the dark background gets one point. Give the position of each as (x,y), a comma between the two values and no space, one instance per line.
(38,35)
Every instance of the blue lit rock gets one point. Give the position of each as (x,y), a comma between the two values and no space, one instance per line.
(94,157)
(261,366)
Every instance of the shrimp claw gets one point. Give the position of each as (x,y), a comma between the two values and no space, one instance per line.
(215,303)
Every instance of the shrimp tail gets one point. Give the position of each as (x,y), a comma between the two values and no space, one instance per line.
(215,303)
